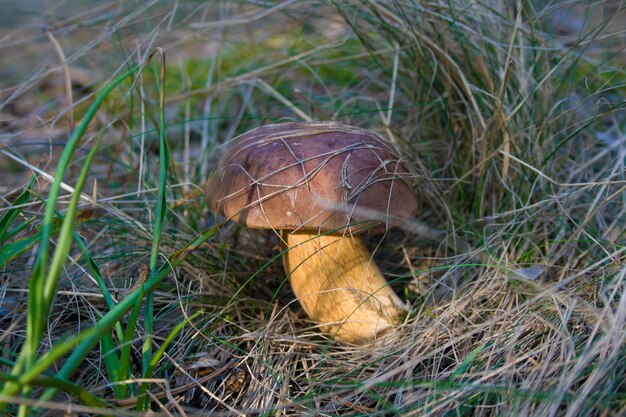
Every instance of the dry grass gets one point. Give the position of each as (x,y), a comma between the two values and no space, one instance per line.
(513,123)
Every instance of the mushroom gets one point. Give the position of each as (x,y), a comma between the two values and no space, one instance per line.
(322,185)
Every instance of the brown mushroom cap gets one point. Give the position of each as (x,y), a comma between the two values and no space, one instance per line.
(321,176)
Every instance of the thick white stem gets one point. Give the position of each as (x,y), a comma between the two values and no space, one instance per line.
(339,286)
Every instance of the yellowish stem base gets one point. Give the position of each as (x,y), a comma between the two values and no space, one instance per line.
(339,285)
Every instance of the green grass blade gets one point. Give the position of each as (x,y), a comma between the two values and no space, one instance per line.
(159,355)
(161,351)
(66,237)
(464,366)
(9,216)
(95,270)
(112,363)
(127,341)
(161,211)
(66,386)
(14,249)
(10,234)
(170,338)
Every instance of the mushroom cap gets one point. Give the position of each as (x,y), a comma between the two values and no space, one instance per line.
(322,176)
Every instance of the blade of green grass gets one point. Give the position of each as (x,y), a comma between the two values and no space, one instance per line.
(127,341)
(66,386)
(160,213)
(66,237)
(7,218)
(464,366)
(19,228)
(170,338)
(14,249)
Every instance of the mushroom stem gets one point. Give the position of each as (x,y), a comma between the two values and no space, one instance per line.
(339,285)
